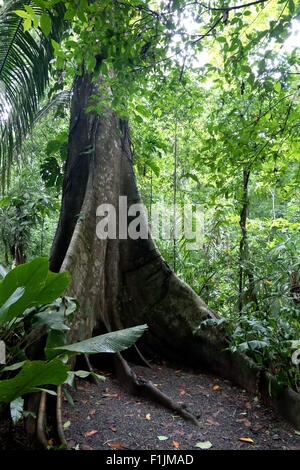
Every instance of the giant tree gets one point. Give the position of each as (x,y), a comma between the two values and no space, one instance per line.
(111,48)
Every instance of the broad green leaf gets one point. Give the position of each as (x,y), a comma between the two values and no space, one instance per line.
(54,320)
(40,389)
(45,24)
(107,343)
(3,271)
(30,10)
(22,14)
(15,366)
(55,285)
(27,24)
(4,309)
(16,409)
(277,86)
(32,375)
(83,374)
(41,286)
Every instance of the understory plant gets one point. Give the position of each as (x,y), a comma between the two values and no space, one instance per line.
(30,306)
(267,328)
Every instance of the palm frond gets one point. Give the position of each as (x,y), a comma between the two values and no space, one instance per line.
(61,98)
(24,72)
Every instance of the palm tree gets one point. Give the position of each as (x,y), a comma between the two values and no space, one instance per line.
(25,64)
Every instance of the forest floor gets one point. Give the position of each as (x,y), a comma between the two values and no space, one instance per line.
(105,417)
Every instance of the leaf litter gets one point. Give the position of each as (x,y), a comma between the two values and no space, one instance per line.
(223,416)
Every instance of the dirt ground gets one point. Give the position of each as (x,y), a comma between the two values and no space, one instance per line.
(105,417)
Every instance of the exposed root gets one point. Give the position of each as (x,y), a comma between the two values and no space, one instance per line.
(140,355)
(60,430)
(140,386)
(41,420)
(90,368)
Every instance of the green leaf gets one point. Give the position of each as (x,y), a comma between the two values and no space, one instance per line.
(39,389)
(54,320)
(69,398)
(107,343)
(204,445)
(45,24)
(32,375)
(41,286)
(22,14)
(162,438)
(277,86)
(27,24)
(15,366)
(16,409)
(67,424)
(3,271)
(4,309)
(30,10)
(291,6)
(55,285)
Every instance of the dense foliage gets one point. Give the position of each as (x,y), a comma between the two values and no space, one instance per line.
(211,93)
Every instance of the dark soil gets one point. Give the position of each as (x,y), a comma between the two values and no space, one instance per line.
(106,417)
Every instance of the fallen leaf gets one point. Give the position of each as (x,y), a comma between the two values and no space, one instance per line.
(67,424)
(90,433)
(204,445)
(130,415)
(177,431)
(113,428)
(176,444)
(257,427)
(86,447)
(182,392)
(220,410)
(177,371)
(162,438)
(245,421)
(246,439)
(50,442)
(148,416)
(212,422)
(216,387)
(116,445)
(119,397)
(248,405)
(92,412)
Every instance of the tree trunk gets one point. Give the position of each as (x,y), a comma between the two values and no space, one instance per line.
(124,282)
